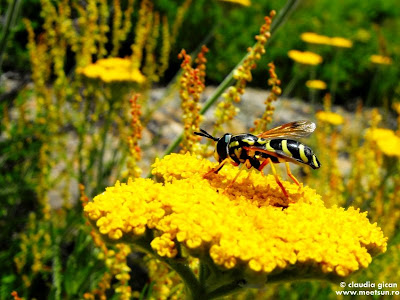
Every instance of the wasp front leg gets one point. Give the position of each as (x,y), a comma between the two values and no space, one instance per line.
(236,177)
(217,168)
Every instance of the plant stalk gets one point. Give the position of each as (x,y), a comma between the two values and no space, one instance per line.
(12,12)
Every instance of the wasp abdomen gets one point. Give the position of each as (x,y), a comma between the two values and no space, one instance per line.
(295,150)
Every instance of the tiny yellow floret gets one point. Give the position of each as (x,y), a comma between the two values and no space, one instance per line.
(242,226)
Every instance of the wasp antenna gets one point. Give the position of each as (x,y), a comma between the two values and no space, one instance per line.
(206,134)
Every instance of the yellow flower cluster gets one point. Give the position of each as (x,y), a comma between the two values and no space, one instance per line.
(305,58)
(380,60)
(314,38)
(330,117)
(386,140)
(113,69)
(240,226)
(316,84)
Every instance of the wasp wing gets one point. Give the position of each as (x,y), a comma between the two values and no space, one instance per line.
(296,129)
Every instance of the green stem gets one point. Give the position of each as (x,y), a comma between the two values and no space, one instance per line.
(106,127)
(195,290)
(81,135)
(227,289)
(292,83)
(373,87)
(313,92)
(203,272)
(279,20)
(11,17)
(56,270)
(335,71)
(284,14)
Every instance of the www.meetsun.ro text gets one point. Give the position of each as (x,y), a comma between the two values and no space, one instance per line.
(368,293)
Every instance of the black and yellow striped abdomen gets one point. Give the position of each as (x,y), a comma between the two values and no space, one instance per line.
(294,151)
(278,150)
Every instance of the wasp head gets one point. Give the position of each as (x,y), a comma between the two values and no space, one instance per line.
(221,149)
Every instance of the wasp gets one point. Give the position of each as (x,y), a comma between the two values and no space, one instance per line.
(269,147)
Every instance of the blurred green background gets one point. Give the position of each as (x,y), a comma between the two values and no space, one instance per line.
(371,25)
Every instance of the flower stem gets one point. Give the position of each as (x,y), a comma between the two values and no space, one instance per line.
(195,290)
(106,127)
(11,16)
(227,289)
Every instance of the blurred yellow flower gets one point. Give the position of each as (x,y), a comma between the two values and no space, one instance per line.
(316,84)
(306,57)
(341,42)
(386,140)
(113,69)
(241,226)
(314,38)
(240,2)
(329,117)
(380,60)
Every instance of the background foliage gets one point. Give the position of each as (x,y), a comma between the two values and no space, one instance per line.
(370,25)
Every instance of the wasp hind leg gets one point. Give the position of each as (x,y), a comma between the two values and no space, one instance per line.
(291,175)
(263,165)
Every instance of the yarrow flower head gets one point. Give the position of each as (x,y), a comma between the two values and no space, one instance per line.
(316,84)
(242,229)
(315,38)
(330,117)
(113,69)
(341,42)
(386,140)
(306,57)
(380,59)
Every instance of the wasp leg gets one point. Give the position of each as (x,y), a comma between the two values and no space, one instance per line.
(217,168)
(268,161)
(236,177)
(249,174)
(291,175)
